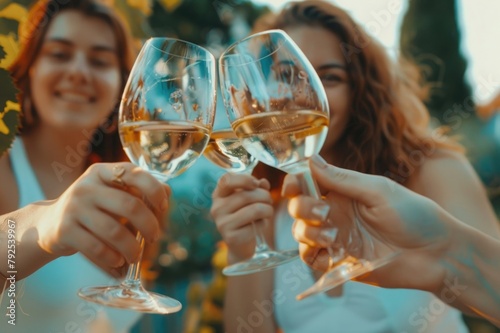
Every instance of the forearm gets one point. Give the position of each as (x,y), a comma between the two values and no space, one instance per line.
(20,254)
(472,282)
(249,298)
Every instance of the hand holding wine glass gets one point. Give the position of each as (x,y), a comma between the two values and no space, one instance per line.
(278,108)
(225,150)
(165,121)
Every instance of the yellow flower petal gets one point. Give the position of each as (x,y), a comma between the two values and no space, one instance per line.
(15,11)
(10,47)
(143,5)
(10,106)
(170,5)
(3,128)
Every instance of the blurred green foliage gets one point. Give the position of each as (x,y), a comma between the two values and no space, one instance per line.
(431,37)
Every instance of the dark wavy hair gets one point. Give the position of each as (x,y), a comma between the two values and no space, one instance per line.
(388,126)
(31,36)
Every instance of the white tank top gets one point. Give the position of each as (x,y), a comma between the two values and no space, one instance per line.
(47,300)
(361,308)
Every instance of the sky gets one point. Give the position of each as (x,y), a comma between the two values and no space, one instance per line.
(479,24)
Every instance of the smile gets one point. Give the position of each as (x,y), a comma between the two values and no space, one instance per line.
(73,97)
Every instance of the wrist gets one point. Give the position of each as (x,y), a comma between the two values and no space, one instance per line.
(19,228)
(457,271)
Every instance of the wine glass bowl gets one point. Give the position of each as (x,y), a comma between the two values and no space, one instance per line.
(165,120)
(274,99)
(168,107)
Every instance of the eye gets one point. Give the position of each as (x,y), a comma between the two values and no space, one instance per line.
(286,73)
(59,55)
(99,62)
(103,59)
(332,78)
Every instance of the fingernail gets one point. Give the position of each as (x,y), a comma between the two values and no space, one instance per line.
(319,161)
(121,262)
(321,211)
(328,236)
(155,238)
(164,205)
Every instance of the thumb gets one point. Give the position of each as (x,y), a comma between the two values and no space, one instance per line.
(367,189)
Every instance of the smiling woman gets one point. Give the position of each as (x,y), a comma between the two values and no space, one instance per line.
(378,125)
(72,66)
(75,80)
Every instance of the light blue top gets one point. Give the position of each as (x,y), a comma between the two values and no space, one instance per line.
(361,308)
(47,300)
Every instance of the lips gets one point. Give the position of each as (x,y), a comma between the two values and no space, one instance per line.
(75,97)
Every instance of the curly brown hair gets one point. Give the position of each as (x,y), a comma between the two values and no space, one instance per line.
(388,126)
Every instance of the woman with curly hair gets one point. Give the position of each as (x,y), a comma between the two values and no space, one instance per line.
(378,125)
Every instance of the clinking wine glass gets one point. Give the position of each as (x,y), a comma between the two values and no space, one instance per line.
(226,151)
(278,108)
(165,120)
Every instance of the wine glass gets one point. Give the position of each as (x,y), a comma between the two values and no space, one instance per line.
(225,150)
(278,108)
(165,120)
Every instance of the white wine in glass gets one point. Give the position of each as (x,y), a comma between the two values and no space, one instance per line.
(226,151)
(165,120)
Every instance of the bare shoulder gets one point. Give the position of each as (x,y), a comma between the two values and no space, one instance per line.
(443,166)
(448,178)
(8,191)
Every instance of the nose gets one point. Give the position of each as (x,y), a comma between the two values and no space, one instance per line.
(79,70)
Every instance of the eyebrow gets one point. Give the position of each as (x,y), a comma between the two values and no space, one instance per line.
(331,65)
(103,48)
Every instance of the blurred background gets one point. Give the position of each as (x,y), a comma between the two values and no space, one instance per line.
(454,41)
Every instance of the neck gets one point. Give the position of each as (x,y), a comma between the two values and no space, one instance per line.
(61,154)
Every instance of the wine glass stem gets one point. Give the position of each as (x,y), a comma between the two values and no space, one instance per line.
(134,270)
(336,251)
(309,185)
(261,244)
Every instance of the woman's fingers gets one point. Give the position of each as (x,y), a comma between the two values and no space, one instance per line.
(131,208)
(303,232)
(307,208)
(317,258)
(367,189)
(115,234)
(230,182)
(92,247)
(239,200)
(136,181)
(242,218)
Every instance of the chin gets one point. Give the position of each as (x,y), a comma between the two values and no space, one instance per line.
(76,125)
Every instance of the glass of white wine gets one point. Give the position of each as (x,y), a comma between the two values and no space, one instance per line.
(226,151)
(278,108)
(165,120)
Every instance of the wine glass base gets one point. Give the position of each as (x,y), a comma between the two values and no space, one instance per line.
(260,262)
(131,298)
(344,272)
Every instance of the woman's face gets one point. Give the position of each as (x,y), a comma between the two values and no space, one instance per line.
(323,50)
(75,78)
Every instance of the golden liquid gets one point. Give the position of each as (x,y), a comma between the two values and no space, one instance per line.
(164,148)
(225,150)
(283,139)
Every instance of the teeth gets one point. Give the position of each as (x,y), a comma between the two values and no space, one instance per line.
(73,97)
